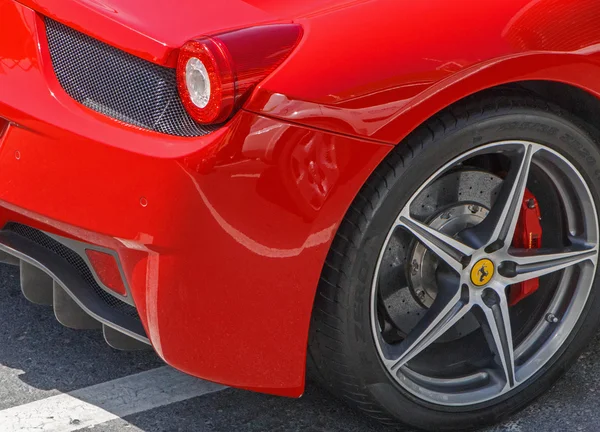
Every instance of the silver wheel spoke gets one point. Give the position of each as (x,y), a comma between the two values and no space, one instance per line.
(497,329)
(448,308)
(500,223)
(537,265)
(448,249)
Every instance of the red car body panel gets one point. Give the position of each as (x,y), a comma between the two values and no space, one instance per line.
(223,237)
(412,58)
(218,239)
(155,30)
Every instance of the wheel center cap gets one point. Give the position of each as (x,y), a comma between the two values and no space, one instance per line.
(482,272)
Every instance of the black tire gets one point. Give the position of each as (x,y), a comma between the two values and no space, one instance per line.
(342,350)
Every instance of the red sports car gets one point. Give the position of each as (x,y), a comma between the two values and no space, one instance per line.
(401,194)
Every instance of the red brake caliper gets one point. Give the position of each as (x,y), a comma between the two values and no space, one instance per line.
(528,235)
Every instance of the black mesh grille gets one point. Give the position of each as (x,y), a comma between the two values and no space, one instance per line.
(75,261)
(118,84)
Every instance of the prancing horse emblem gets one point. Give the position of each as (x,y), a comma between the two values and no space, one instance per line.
(482,272)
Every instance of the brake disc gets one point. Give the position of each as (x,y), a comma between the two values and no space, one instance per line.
(458,200)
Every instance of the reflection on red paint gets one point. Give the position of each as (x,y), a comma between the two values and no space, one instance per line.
(556,25)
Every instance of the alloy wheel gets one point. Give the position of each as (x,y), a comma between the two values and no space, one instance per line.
(463,260)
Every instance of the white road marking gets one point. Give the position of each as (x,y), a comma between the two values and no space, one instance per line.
(104,402)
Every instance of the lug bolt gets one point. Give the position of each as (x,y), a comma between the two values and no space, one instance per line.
(446,215)
(531,203)
(421,294)
(415,267)
(474,208)
(551,318)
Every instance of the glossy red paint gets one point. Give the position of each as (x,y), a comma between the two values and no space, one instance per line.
(222,238)
(212,232)
(409,58)
(156,30)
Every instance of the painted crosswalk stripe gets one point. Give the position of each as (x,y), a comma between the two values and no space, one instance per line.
(104,402)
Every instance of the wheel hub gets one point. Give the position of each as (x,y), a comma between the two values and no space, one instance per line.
(482,272)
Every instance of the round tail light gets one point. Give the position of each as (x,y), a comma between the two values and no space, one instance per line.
(216,74)
(197,82)
(205,81)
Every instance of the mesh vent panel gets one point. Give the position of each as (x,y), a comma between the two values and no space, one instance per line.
(118,84)
(75,261)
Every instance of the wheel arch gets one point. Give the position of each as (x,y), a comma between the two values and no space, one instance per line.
(579,100)
(569,80)
(389,115)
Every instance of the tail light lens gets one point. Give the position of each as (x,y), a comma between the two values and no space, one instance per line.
(216,74)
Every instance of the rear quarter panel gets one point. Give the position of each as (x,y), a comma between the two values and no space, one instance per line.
(378,69)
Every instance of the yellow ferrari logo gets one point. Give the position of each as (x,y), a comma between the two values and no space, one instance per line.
(482,272)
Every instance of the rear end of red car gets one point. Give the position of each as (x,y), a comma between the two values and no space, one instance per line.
(131,211)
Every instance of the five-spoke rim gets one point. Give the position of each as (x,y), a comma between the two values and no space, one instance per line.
(490,242)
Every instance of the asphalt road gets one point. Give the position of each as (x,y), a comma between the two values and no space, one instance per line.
(40,359)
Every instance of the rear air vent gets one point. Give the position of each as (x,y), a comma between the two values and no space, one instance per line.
(117,84)
(75,261)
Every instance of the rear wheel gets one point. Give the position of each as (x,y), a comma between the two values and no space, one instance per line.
(460,284)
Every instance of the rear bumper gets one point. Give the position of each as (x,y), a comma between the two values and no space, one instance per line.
(64,261)
(221,238)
